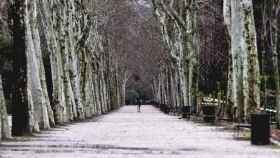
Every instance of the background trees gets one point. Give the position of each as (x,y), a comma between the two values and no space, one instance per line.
(234,41)
(268,41)
(72,60)
(61,65)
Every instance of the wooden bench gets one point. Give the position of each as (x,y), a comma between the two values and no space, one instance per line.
(225,119)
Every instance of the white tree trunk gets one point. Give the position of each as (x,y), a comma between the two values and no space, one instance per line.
(246,77)
(33,60)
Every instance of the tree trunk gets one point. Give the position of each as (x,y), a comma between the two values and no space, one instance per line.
(5,131)
(231,91)
(275,58)
(246,77)
(35,73)
(250,37)
(20,110)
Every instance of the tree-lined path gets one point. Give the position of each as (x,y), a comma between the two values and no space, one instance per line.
(126,133)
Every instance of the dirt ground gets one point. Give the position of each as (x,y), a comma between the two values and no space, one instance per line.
(128,134)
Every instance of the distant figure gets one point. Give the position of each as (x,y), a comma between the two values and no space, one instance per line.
(139,102)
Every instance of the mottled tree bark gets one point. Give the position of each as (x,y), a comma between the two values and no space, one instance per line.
(239,18)
(5,131)
(35,72)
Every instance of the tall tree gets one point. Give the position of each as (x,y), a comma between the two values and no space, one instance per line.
(239,17)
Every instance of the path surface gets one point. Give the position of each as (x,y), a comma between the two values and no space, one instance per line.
(128,134)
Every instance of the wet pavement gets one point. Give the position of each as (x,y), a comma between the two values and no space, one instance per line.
(128,134)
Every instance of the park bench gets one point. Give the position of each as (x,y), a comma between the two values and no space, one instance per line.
(239,126)
(209,113)
(164,108)
(225,119)
(186,112)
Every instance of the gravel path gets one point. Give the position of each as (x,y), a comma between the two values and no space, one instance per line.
(128,134)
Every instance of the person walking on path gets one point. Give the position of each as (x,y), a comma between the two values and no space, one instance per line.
(139,102)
